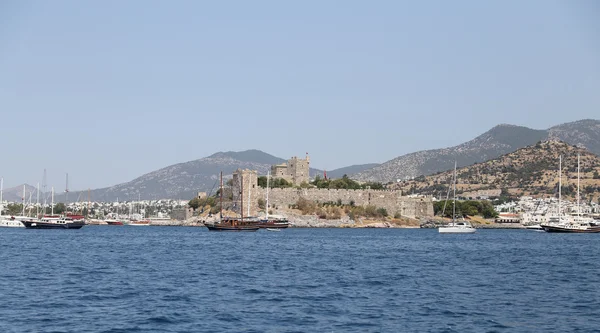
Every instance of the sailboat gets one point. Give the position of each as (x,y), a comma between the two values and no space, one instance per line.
(53,221)
(8,221)
(116,220)
(275,222)
(578,225)
(229,223)
(141,222)
(456,227)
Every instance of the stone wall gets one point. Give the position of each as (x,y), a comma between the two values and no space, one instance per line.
(182,214)
(392,201)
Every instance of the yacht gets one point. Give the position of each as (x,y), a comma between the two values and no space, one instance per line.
(53,222)
(11,221)
(578,224)
(456,227)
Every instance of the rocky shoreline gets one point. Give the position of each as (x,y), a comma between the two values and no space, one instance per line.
(313,221)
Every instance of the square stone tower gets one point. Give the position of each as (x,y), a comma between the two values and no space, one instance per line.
(249,179)
(295,171)
(298,169)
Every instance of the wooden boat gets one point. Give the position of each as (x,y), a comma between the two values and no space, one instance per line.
(232,224)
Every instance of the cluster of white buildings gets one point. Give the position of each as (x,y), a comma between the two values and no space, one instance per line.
(100,210)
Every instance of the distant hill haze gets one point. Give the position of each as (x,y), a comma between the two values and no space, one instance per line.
(532,170)
(185,180)
(500,140)
(15,194)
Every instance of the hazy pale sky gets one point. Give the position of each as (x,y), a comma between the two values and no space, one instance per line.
(110,90)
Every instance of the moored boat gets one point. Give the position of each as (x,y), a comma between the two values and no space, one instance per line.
(579,224)
(11,221)
(114,222)
(456,227)
(139,223)
(232,224)
(8,221)
(53,223)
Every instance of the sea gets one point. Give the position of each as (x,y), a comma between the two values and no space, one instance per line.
(186,279)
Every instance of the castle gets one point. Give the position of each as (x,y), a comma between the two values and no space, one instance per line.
(295,171)
(245,186)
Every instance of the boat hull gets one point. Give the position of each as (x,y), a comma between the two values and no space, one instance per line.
(454,230)
(114,222)
(271,225)
(214,227)
(46,225)
(560,229)
(9,223)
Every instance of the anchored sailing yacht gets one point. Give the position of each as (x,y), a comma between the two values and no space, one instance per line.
(456,227)
(578,224)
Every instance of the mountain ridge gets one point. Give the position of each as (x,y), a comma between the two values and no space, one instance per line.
(499,140)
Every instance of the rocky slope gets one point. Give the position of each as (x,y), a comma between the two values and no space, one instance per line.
(500,140)
(532,170)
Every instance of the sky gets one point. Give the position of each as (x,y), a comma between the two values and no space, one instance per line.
(110,90)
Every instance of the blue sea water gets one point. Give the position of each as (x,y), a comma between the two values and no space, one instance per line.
(177,279)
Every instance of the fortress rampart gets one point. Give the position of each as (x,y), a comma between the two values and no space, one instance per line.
(392,201)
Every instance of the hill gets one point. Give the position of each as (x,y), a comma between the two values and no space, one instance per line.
(500,140)
(184,180)
(14,194)
(350,170)
(528,171)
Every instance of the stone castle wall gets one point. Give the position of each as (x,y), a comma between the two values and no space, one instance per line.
(392,201)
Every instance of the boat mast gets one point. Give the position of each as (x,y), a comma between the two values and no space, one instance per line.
(1,189)
(37,206)
(559,184)
(67,194)
(249,196)
(578,207)
(221,195)
(267,208)
(23,201)
(44,191)
(52,202)
(454,195)
(242,197)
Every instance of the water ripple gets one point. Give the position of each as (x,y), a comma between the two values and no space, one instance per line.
(107,279)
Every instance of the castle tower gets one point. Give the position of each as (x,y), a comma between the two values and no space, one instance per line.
(250,191)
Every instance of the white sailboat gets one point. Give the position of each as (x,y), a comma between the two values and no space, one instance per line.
(456,227)
(5,220)
(579,225)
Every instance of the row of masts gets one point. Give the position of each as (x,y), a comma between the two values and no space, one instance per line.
(560,186)
(38,196)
